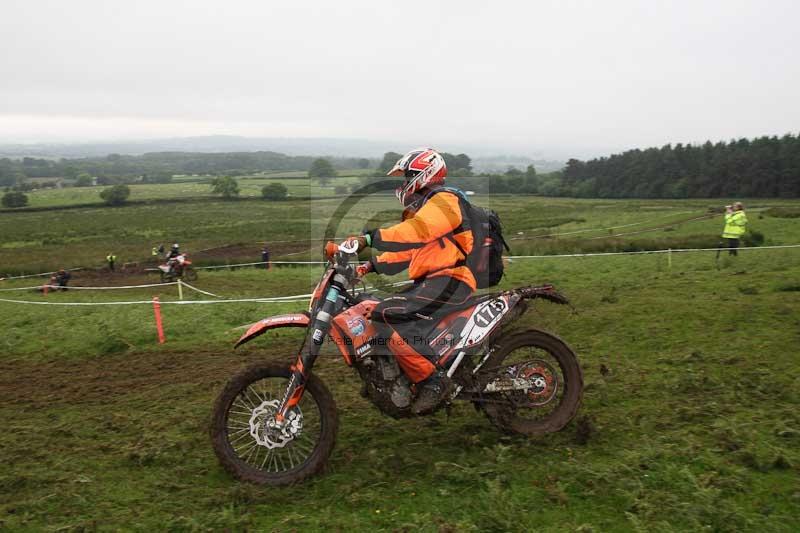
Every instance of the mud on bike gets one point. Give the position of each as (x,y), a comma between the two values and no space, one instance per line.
(277,425)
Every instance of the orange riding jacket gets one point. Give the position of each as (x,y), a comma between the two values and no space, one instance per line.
(424,243)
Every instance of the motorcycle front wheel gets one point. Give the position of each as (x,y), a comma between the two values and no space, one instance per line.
(552,383)
(246,446)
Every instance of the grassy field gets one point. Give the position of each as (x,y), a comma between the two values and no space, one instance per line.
(694,419)
(41,241)
(192,187)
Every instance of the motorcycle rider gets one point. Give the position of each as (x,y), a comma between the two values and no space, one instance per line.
(172,257)
(60,279)
(432,242)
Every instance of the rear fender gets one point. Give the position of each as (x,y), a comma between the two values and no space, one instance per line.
(545,292)
(292,320)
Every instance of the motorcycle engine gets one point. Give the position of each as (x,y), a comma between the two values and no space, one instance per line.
(385,385)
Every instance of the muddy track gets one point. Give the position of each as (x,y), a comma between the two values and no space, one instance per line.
(123,276)
(142,272)
(95,379)
(100,379)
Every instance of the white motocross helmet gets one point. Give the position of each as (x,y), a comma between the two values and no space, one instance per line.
(420,168)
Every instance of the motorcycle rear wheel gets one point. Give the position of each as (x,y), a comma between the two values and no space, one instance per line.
(189,274)
(534,412)
(239,451)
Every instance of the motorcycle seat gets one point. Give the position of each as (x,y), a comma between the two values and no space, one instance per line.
(471,301)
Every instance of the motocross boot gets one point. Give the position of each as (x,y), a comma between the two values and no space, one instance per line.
(431,393)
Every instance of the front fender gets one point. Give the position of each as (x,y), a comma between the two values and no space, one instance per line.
(292,320)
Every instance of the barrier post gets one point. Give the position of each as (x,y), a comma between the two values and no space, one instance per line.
(669,258)
(159,324)
(180,289)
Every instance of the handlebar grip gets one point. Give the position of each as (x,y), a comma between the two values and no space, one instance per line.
(330,249)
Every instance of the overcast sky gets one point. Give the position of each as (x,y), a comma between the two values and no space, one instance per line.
(528,77)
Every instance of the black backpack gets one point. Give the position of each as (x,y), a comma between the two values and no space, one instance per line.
(486,258)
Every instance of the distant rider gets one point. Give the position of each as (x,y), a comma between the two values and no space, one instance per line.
(432,242)
(60,279)
(172,258)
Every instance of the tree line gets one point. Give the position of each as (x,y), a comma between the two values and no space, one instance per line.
(159,167)
(762,167)
(767,166)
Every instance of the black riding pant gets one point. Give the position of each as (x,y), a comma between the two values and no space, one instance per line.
(733,244)
(414,313)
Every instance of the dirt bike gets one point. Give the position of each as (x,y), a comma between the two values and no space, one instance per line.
(178,267)
(276,425)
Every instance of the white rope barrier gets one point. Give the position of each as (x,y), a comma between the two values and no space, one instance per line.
(199,290)
(262,263)
(150,302)
(304,297)
(41,274)
(75,287)
(274,299)
(641,252)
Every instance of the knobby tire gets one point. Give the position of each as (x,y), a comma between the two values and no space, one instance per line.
(505,417)
(315,462)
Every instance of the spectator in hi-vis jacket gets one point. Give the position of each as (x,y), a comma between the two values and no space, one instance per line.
(735,226)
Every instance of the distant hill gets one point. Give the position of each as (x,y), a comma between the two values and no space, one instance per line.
(484,159)
(205,144)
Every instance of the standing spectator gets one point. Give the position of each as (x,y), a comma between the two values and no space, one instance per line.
(265,256)
(156,252)
(111,259)
(735,226)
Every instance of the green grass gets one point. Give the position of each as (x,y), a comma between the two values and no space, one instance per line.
(42,241)
(191,187)
(783,212)
(696,423)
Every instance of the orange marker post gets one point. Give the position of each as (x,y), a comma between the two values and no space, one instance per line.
(159,324)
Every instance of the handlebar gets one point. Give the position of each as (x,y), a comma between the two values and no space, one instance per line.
(340,258)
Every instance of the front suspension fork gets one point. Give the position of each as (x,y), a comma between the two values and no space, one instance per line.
(309,352)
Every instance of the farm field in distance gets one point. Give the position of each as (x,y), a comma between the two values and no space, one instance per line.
(184,187)
(690,417)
